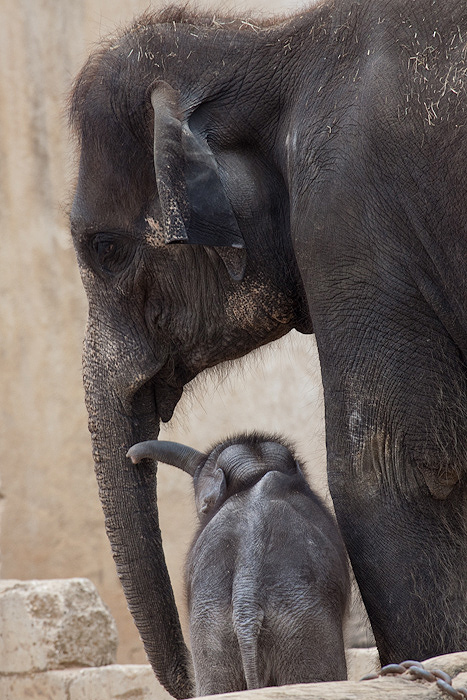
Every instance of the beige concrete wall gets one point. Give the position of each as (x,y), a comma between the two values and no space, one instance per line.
(52,525)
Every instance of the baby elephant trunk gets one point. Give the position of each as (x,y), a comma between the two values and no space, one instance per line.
(181,456)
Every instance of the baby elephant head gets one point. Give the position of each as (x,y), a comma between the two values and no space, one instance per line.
(227,468)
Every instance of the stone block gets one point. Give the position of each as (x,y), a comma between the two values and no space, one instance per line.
(50,685)
(114,682)
(460,681)
(133,681)
(454,663)
(47,625)
(361,661)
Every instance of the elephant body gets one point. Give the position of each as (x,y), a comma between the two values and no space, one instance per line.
(266,575)
(238,180)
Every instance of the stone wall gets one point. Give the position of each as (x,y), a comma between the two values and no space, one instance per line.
(51,520)
(59,641)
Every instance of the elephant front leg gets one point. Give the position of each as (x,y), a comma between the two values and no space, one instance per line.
(396,434)
(409,554)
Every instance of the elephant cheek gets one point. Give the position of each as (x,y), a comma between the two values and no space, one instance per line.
(128,497)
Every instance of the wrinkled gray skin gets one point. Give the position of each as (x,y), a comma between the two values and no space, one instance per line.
(237,181)
(266,575)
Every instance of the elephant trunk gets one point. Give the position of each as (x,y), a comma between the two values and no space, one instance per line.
(128,497)
(185,458)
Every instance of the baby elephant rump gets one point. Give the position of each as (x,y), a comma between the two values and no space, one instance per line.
(266,575)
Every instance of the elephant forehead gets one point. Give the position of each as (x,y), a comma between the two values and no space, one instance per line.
(234,455)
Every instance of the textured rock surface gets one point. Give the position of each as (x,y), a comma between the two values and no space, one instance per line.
(453,664)
(48,625)
(383,688)
(131,681)
(116,682)
(360,662)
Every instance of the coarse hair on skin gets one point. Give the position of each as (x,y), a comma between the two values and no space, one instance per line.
(188,14)
(223,377)
(198,16)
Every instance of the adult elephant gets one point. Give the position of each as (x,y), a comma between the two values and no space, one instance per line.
(316,168)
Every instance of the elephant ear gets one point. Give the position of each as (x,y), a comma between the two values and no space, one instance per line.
(195,207)
(210,490)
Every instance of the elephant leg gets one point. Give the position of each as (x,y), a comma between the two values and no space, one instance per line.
(396,436)
(399,488)
(216,654)
(310,654)
(410,560)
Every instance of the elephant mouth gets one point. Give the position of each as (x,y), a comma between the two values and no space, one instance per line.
(166,398)
(168,388)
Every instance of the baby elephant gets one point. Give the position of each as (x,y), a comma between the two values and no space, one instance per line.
(266,575)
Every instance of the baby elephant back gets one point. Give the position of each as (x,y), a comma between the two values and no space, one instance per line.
(268,580)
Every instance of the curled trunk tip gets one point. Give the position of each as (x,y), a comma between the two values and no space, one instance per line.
(181,456)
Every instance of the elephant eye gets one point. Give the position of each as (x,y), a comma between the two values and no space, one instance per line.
(112,252)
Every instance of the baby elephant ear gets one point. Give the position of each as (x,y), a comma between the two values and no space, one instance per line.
(210,491)
(195,207)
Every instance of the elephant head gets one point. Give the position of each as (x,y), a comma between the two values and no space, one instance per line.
(228,468)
